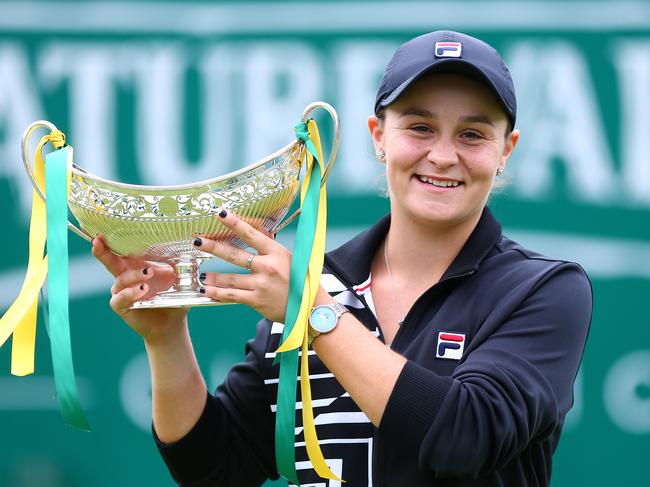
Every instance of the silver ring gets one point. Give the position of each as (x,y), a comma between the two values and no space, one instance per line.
(249,262)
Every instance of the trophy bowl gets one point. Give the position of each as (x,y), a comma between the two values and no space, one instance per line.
(159,223)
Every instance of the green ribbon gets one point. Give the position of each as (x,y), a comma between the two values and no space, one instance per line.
(285,424)
(56,189)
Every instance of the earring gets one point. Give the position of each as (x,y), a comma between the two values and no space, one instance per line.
(382,155)
(499,171)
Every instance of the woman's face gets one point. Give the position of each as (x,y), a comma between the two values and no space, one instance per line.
(444,140)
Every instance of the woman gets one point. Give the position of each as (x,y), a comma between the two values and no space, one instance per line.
(484,336)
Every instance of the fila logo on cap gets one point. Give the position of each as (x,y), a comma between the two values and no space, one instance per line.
(450,345)
(448,49)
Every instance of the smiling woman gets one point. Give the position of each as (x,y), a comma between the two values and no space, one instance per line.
(443,144)
(442,352)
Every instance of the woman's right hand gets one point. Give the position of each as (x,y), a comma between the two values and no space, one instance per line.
(137,279)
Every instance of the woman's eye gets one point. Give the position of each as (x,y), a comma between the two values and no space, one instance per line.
(471,135)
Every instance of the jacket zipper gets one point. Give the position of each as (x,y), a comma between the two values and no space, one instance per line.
(375,471)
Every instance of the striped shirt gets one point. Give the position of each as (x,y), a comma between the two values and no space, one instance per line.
(492,352)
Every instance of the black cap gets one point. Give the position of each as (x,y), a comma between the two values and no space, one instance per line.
(446,51)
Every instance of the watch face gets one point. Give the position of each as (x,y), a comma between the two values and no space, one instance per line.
(323,319)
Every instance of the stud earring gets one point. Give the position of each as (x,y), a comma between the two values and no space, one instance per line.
(499,171)
(382,155)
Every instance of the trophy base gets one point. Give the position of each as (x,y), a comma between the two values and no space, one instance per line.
(185,291)
(175,299)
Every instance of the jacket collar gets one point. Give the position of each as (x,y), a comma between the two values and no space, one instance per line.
(351,261)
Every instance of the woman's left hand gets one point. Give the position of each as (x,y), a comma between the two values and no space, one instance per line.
(266,287)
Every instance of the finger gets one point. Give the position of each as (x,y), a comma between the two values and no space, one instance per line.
(229,295)
(115,264)
(131,278)
(268,233)
(106,257)
(122,301)
(229,253)
(260,241)
(235,281)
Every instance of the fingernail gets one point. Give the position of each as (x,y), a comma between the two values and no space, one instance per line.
(202,276)
(223,213)
(198,242)
(145,271)
(202,290)
(141,287)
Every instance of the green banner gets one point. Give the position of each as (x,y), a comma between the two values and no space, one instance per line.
(168,92)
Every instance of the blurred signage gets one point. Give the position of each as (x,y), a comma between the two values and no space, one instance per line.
(174,92)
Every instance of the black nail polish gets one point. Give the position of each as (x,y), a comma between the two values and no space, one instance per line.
(198,242)
(202,276)
(141,287)
(145,271)
(202,290)
(223,213)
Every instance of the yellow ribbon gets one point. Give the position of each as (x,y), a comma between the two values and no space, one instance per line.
(20,318)
(299,334)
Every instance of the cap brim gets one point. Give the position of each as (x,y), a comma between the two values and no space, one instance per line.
(453,66)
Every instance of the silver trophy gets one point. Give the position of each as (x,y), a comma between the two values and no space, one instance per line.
(159,223)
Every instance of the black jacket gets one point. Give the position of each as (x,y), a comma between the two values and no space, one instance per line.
(517,320)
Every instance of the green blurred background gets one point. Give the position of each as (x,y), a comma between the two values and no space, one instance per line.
(173,92)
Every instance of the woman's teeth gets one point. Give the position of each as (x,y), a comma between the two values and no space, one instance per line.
(438,182)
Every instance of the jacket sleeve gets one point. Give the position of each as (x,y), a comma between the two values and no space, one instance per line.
(232,442)
(514,388)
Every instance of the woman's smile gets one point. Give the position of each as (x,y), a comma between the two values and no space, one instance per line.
(437,184)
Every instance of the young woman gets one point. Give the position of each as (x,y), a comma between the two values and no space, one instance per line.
(453,359)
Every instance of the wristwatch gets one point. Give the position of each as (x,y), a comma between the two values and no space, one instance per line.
(324,319)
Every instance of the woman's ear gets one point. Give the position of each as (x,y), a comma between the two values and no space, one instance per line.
(376,129)
(511,142)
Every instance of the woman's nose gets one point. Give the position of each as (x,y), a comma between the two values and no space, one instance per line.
(443,153)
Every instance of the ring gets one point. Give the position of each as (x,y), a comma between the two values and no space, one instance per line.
(249,262)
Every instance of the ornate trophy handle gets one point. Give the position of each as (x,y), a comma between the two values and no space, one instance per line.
(335,148)
(337,133)
(24,149)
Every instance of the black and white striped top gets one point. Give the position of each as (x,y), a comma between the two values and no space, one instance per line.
(492,352)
